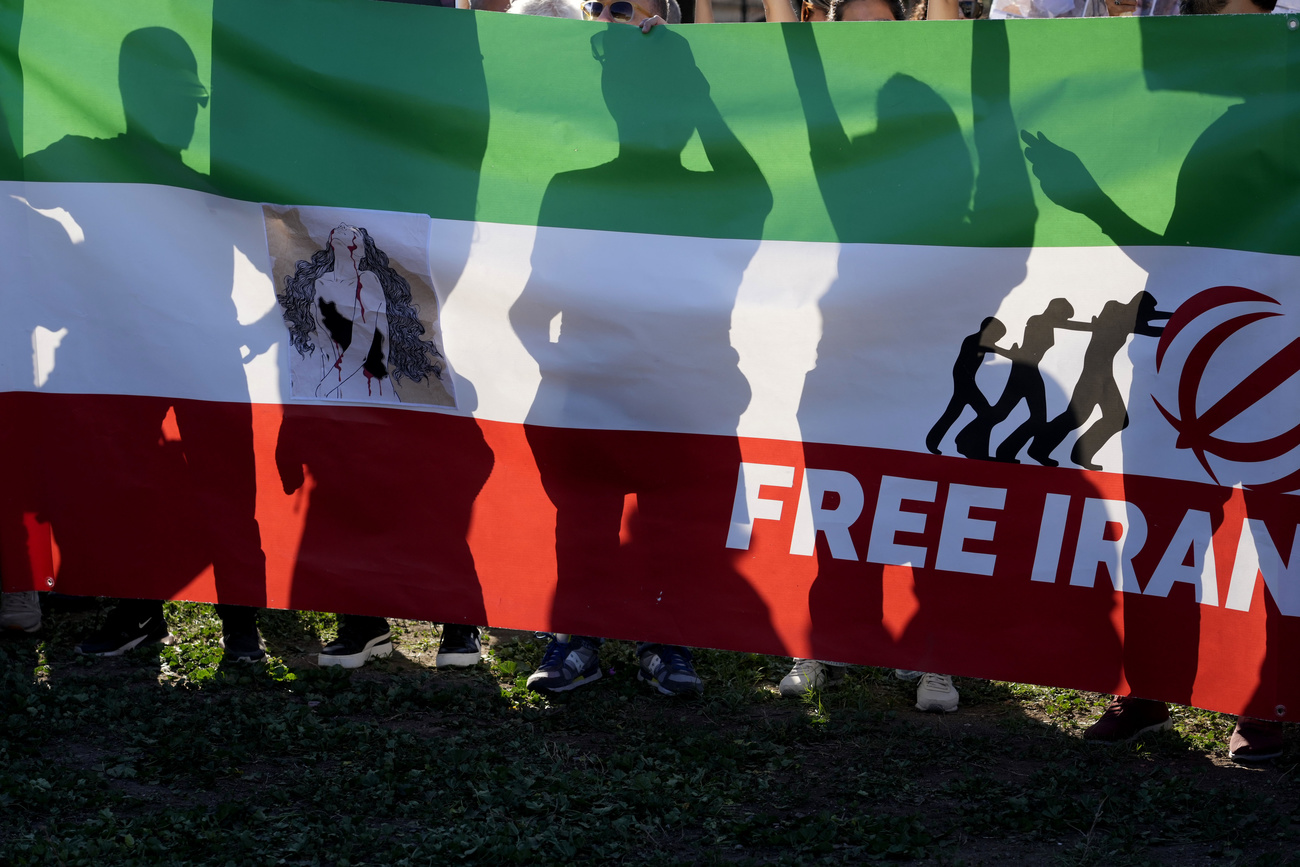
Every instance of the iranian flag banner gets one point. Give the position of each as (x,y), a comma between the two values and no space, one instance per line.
(968,349)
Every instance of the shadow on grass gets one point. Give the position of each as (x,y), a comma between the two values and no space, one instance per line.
(400,763)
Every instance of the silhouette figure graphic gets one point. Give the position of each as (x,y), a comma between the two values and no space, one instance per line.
(965,391)
(1025,382)
(1096,387)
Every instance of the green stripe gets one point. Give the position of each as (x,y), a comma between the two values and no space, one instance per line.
(913,128)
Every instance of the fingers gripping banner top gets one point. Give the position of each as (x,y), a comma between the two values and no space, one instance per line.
(960,348)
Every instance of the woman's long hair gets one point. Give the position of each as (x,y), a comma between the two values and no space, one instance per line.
(409,354)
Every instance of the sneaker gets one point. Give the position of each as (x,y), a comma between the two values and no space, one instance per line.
(460,646)
(1127,719)
(667,668)
(359,639)
(124,631)
(1255,740)
(904,674)
(567,665)
(243,646)
(20,612)
(809,674)
(936,694)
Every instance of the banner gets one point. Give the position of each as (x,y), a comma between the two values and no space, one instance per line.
(968,349)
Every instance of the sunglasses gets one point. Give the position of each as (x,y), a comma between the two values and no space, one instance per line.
(619,10)
(970,8)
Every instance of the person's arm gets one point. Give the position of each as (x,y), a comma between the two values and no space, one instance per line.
(1068,183)
(536,307)
(704,11)
(942,10)
(828,142)
(1147,328)
(998,350)
(729,158)
(287,461)
(364,325)
(1004,213)
(779,11)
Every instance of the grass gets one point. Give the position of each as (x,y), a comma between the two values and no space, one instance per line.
(167,756)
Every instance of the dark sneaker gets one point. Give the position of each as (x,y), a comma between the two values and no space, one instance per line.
(1255,740)
(668,668)
(460,646)
(243,646)
(1127,719)
(807,675)
(567,665)
(123,631)
(20,612)
(360,639)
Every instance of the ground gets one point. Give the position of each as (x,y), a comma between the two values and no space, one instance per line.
(168,756)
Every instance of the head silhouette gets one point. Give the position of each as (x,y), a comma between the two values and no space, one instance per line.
(161,92)
(991,331)
(1145,303)
(1059,310)
(925,171)
(651,87)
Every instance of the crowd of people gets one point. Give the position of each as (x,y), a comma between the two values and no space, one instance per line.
(648,13)
(573,661)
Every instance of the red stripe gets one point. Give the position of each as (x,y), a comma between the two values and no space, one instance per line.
(441,517)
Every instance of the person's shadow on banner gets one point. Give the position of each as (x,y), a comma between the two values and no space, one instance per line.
(1236,190)
(642,345)
(139,509)
(16,438)
(392,491)
(909,178)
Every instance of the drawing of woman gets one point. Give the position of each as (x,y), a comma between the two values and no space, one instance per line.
(349,308)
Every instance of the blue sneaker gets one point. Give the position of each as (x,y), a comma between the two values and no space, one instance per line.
(667,668)
(567,665)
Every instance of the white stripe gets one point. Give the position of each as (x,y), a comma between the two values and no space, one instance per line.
(850,344)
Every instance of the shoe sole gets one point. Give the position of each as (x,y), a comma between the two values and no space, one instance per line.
(244,657)
(1151,729)
(797,692)
(581,680)
(685,693)
(938,706)
(167,641)
(1266,757)
(228,656)
(356,660)
(458,660)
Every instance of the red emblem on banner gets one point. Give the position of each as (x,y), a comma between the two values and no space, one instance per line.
(1198,427)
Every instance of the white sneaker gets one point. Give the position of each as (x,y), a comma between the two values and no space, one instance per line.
(936,694)
(809,674)
(20,612)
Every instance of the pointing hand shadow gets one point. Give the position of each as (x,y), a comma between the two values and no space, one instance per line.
(1062,175)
